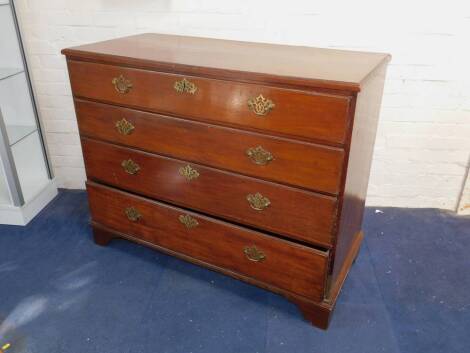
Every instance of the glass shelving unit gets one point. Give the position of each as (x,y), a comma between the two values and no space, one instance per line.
(26,182)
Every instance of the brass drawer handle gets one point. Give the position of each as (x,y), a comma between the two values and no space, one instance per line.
(188,172)
(132,214)
(124,127)
(122,84)
(188,221)
(260,105)
(130,166)
(252,253)
(258,201)
(259,155)
(185,86)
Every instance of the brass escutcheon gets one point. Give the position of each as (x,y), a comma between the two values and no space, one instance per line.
(259,155)
(122,84)
(260,105)
(185,86)
(130,166)
(252,253)
(188,221)
(188,172)
(124,127)
(257,201)
(132,214)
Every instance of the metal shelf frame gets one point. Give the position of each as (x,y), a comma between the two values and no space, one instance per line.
(6,156)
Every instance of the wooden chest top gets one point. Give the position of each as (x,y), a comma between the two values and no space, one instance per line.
(269,63)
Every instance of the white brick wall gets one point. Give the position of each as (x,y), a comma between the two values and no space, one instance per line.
(423,142)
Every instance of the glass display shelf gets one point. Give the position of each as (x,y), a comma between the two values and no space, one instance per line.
(26,182)
(16,133)
(30,166)
(7,72)
(9,46)
(16,108)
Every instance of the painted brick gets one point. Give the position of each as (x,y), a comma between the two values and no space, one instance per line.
(58,114)
(62,138)
(69,177)
(68,161)
(432,156)
(113,19)
(430,142)
(56,102)
(53,89)
(64,150)
(49,75)
(60,126)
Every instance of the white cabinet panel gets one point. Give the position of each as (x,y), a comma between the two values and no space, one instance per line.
(9,48)
(5,198)
(30,166)
(16,107)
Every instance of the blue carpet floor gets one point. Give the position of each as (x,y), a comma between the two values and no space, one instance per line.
(409,291)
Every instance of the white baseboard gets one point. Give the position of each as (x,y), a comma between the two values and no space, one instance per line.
(21,216)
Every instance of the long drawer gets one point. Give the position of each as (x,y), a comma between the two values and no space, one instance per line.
(286,161)
(295,213)
(283,264)
(309,115)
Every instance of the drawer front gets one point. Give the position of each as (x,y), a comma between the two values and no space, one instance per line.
(283,264)
(286,161)
(290,112)
(292,212)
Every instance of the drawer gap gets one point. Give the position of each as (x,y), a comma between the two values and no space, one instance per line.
(202,213)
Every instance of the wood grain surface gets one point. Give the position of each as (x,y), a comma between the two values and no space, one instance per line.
(308,115)
(314,67)
(296,163)
(295,213)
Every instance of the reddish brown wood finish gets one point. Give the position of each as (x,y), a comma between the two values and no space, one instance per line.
(297,163)
(101,236)
(317,315)
(340,70)
(308,115)
(336,283)
(358,168)
(295,213)
(321,132)
(287,265)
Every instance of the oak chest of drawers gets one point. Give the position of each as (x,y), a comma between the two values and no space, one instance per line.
(249,159)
